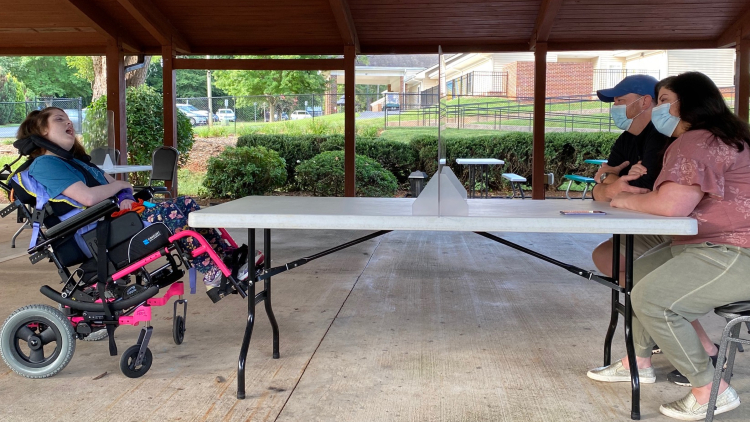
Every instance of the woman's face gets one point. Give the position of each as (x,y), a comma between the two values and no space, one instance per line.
(667,96)
(60,130)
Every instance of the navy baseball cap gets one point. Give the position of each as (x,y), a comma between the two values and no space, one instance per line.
(633,84)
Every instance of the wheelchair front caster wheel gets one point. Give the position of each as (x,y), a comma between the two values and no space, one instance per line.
(178,329)
(129,358)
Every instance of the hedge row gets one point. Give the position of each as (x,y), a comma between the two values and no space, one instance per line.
(564,152)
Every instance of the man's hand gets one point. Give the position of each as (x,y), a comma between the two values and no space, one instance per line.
(605,168)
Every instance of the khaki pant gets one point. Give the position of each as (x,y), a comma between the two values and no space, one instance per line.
(643,243)
(675,286)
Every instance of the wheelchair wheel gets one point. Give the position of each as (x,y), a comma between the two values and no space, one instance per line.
(127,362)
(178,329)
(37,341)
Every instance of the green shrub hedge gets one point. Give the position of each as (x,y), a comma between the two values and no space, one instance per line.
(323,175)
(564,152)
(397,157)
(244,171)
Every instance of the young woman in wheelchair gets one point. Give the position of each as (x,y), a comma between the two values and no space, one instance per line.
(62,167)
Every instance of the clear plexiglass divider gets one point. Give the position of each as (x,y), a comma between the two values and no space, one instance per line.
(443,195)
(98,137)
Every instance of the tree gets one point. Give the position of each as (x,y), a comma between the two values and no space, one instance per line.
(12,108)
(270,83)
(48,76)
(94,70)
(190,82)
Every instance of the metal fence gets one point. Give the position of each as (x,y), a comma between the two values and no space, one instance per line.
(607,78)
(13,113)
(259,108)
(477,83)
(569,113)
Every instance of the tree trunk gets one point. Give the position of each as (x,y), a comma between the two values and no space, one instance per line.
(99,84)
(136,77)
(133,78)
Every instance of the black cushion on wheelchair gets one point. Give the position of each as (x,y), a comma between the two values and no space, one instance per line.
(735,308)
(128,240)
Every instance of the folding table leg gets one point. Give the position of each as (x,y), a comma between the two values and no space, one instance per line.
(614,314)
(250,317)
(635,409)
(267,293)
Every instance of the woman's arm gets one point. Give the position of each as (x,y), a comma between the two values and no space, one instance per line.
(671,200)
(91,196)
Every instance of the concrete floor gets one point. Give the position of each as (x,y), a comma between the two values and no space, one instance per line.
(412,326)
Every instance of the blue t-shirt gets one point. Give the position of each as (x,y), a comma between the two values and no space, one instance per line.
(56,175)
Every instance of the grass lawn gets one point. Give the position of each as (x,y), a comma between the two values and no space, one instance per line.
(190,183)
(321,125)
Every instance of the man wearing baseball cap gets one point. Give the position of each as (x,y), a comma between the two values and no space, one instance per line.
(640,148)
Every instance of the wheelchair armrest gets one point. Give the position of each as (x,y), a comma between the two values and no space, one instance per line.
(143,192)
(87,216)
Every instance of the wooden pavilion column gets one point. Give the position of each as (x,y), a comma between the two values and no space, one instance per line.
(116,96)
(169,103)
(349,129)
(540,90)
(742,80)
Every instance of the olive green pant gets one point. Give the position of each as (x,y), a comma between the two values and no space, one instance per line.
(676,285)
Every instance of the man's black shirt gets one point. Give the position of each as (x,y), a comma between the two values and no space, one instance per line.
(647,147)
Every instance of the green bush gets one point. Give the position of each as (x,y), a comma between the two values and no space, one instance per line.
(293,149)
(397,157)
(323,175)
(145,127)
(244,171)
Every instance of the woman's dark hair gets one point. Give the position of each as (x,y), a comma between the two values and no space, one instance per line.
(36,123)
(703,107)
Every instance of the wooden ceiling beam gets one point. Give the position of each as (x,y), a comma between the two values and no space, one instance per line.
(466,46)
(738,29)
(544,21)
(156,24)
(94,50)
(629,45)
(105,25)
(345,22)
(259,64)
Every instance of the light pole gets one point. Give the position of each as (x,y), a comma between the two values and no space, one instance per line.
(208,91)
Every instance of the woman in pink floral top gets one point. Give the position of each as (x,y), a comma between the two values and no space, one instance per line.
(706,175)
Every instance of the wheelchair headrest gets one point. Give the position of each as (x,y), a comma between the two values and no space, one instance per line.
(31,143)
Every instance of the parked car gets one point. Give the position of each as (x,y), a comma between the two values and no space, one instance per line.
(226,114)
(194,109)
(196,119)
(284,116)
(300,114)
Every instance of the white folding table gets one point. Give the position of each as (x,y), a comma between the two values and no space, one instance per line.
(484,164)
(387,214)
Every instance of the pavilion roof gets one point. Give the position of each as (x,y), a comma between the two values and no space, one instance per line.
(308,27)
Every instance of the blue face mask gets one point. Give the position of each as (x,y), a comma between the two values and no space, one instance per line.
(664,122)
(619,114)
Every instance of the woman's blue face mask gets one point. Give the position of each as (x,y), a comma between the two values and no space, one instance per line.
(619,114)
(663,121)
